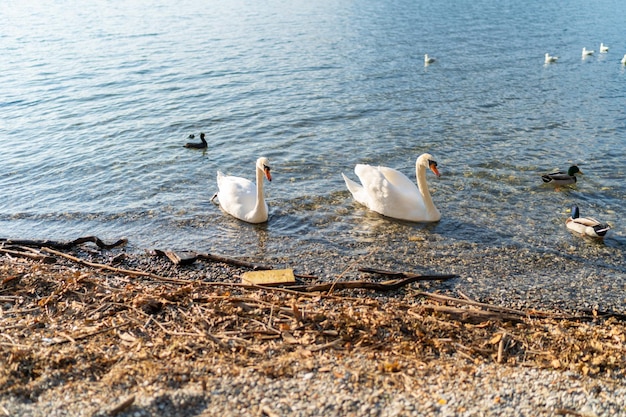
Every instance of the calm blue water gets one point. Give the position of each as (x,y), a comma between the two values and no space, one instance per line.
(97,99)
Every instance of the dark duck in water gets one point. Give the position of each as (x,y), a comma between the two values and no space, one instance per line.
(562,178)
(196,145)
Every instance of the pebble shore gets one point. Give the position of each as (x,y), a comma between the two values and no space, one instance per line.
(335,381)
(441,389)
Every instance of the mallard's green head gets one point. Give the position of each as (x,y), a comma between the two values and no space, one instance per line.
(573,170)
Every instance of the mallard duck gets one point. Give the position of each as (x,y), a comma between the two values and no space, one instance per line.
(562,178)
(195,145)
(586,226)
(550,58)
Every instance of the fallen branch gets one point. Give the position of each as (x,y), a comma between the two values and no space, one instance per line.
(231,261)
(335,344)
(114,269)
(29,255)
(499,309)
(368,285)
(65,245)
(473,315)
(189,257)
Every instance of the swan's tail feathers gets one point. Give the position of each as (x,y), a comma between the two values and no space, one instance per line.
(357,190)
(353,186)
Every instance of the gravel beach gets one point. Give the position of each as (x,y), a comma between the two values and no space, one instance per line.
(86,333)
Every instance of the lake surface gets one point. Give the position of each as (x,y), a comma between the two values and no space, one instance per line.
(97,100)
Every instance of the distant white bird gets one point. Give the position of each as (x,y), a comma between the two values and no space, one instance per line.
(587,52)
(623,61)
(603,48)
(550,58)
(428,60)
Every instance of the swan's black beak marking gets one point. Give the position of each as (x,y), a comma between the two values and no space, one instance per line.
(433,167)
(266,169)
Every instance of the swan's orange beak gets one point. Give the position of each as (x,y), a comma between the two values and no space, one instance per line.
(266,169)
(433,167)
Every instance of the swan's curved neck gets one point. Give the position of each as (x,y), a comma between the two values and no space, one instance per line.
(420,173)
(260,207)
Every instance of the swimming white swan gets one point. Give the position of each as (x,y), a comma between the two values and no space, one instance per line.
(550,58)
(390,193)
(586,52)
(603,48)
(428,60)
(623,61)
(241,198)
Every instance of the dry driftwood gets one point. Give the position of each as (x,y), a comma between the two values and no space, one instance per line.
(25,252)
(64,245)
(369,285)
(114,269)
(503,311)
(189,257)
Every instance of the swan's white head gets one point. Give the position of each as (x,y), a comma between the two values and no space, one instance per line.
(263,164)
(427,160)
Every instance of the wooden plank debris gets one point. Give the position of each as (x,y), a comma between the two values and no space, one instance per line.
(181,258)
(269,277)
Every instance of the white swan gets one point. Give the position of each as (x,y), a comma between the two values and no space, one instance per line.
(240,198)
(428,60)
(623,61)
(390,193)
(603,48)
(550,58)
(587,52)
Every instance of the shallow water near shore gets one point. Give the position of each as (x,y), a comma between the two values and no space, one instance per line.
(97,102)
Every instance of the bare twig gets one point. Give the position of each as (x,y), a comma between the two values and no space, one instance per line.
(86,335)
(122,406)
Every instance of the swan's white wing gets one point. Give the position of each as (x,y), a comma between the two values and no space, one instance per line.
(388,191)
(398,179)
(237,196)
